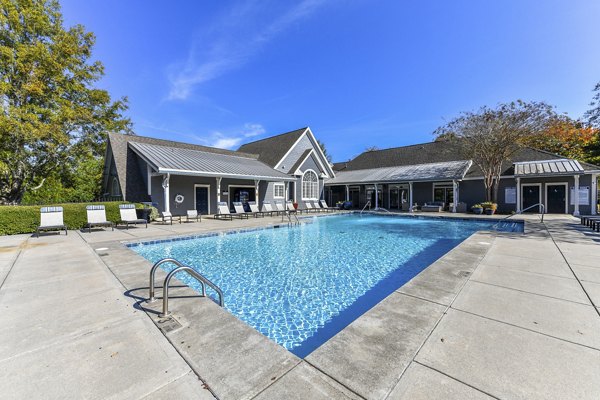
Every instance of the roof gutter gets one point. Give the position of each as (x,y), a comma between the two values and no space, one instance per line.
(218,175)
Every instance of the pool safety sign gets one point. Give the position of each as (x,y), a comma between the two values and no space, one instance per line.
(510,195)
(584,195)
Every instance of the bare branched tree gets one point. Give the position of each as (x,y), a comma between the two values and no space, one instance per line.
(491,136)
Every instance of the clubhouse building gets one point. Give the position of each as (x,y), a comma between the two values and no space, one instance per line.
(179,176)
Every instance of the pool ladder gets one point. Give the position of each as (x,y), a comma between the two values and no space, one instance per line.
(180,268)
(289,214)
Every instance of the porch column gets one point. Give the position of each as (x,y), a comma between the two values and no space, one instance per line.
(165,185)
(594,193)
(454,195)
(256,184)
(287,190)
(518,195)
(376,197)
(410,196)
(218,191)
(389,198)
(576,196)
(347,192)
(149,178)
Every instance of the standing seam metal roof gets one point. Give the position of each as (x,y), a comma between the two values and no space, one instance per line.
(548,167)
(194,162)
(407,173)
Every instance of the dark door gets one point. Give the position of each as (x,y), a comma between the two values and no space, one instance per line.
(557,195)
(531,196)
(202,200)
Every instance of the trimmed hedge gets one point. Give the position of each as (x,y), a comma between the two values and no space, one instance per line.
(26,219)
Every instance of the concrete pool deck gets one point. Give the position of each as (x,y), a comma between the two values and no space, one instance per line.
(500,316)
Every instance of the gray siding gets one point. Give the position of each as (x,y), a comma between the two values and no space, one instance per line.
(267,192)
(184,185)
(291,159)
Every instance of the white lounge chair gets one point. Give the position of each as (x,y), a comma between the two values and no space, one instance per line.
(223,211)
(279,208)
(129,216)
(290,206)
(318,208)
(193,214)
(239,209)
(254,209)
(96,216)
(51,219)
(326,207)
(308,208)
(168,217)
(267,209)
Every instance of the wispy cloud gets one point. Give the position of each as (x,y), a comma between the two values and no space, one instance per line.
(230,138)
(234,41)
(231,141)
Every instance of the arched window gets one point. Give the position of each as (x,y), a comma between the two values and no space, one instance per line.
(116,191)
(310,185)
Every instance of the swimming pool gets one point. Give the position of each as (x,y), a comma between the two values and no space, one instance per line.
(300,286)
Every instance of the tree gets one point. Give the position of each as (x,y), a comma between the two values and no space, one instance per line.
(566,137)
(592,117)
(593,114)
(51,113)
(491,136)
(324,150)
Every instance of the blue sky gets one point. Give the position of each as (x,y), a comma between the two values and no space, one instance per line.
(359,73)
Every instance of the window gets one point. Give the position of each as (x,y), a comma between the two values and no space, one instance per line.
(310,185)
(115,187)
(278,191)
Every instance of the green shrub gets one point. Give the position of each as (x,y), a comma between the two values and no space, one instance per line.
(25,219)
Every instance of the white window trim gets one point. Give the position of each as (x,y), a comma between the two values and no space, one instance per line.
(567,194)
(275,186)
(539,185)
(317,194)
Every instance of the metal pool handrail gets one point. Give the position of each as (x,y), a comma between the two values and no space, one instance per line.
(180,268)
(288,214)
(541,205)
(366,205)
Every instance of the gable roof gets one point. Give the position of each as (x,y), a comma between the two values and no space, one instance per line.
(181,161)
(272,149)
(405,173)
(118,144)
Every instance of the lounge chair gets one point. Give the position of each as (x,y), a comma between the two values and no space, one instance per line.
(51,219)
(193,214)
(239,209)
(255,211)
(168,217)
(129,216)
(318,208)
(326,207)
(96,216)
(223,212)
(279,208)
(289,205)
(267,209)
(308,208)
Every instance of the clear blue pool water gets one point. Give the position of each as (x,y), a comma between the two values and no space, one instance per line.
(300,286)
